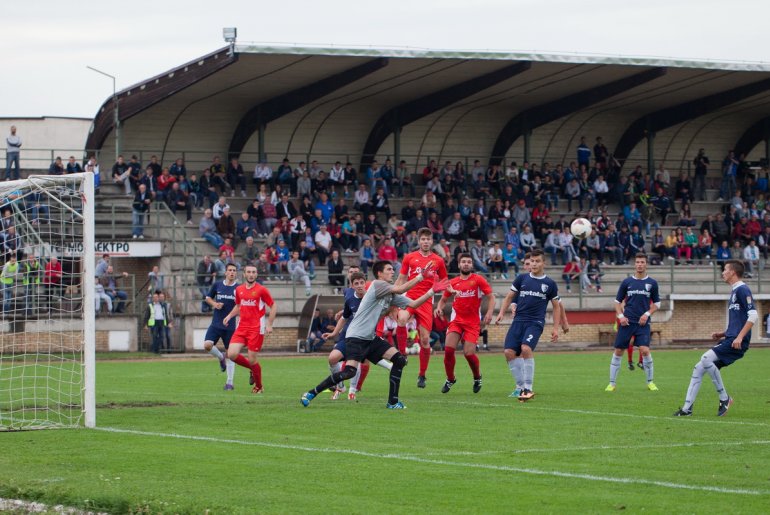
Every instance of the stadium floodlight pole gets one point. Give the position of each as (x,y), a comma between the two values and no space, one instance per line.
(116,110)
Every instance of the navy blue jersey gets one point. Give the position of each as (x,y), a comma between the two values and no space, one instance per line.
(351,306)
(638,293)
(220,292)
(534,295)
(741,303)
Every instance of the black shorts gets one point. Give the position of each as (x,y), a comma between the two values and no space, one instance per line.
(359,350)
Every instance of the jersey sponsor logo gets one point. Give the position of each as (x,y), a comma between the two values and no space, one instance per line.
(528,293)
(735,306)
(646,293)
(248,302)
(225,297)
(467,293)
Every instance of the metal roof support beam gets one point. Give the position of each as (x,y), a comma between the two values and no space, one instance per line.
(540,115)
(759,131)
(670,116)
(259,116)
(409,112)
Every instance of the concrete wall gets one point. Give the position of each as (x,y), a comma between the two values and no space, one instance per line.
(45,138)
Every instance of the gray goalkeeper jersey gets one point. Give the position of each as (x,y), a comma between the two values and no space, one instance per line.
(376,301)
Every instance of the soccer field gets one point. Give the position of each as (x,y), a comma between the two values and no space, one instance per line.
(171,441)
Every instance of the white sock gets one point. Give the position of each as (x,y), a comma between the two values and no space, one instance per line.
(513,368)
(384,363)
(354,381)
(716,378)
(692,390)
(647,360)
(216,353)
(529,372)
(230,367)
(336,368)
(614,368)
(518,364)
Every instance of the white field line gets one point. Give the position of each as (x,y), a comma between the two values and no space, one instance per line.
(416,459)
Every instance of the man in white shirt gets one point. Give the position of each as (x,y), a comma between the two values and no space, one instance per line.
(337,177)
(263,174)
(751,257)
(323,243)
(219,208)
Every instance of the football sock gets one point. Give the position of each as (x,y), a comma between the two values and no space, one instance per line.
(630,353)
(256,371)
(424,360)
(355,379)
(337,377)
(401,336)
(216,352)
(517,371)
(384,363)
(647,360)
(241,360)
(529,372)
(364,371)
(473,362)
(449,363)
(230,367)
(614,368)
(716,378)
(395,378)
(695,382)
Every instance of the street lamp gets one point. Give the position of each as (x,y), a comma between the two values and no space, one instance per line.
(229,34)
(116,110)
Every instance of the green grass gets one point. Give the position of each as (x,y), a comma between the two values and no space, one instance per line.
(453,453)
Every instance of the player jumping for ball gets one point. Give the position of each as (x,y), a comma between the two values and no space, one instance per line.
(251,299)
(528,298)
(637,299)
(361,341)
(465,323)
(411,266)
(733,342)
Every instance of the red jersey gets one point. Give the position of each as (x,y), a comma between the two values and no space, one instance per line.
(413,264)
(466,308)
(252,302)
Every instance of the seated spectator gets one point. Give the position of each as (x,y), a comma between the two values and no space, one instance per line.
(306,254)
(723,254)
(177,199)
(315,337)
(454,227)
(257,215)
(387,252)
(335,267)
(323,243)
(704,249)
(304,185)
(57,168)
(164,184)
(496,262)
(110,283)
(297,272)
(594,275)
(527,240)
(263,174)
(284,255)
(271,256)
(208,229)
(571,272)
(250,253)
(553,245)
(764,243)
(751,258)
(478,254)
(219,208)
(366,256)
(246,227)
(511,257)
(226,224)
(235,176)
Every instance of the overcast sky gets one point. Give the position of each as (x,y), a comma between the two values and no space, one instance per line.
(45,45)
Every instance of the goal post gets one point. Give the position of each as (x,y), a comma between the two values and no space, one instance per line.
(47,302)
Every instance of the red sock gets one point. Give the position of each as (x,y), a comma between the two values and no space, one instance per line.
(424,359)
(256,371)
(401,339)
(449,363)
(364,373)
(630,352)
(242,361)
(473,362)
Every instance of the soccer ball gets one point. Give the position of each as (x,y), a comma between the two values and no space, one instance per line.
(580,228)
(414,349)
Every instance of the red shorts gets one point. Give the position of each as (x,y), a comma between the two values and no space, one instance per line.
(469,333)
(250,336)
(423,315)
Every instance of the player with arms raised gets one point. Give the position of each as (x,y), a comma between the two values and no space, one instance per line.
(411,266)
(465,323)
(637,299)
(733,344)
(528,298)
(362,343)
(251,299)
(221,297)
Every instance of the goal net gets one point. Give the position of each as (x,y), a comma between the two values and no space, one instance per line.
(47,290)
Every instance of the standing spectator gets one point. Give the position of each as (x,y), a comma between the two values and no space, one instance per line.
(583,153)
(208,229)
(205,274)
(156,280)
(110,282)
(729,171)
(139,209)
(170,320)
(52,281)
(9,277)
(600,154)
(296,269)
(701,163)
(156,321)
(12,152)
